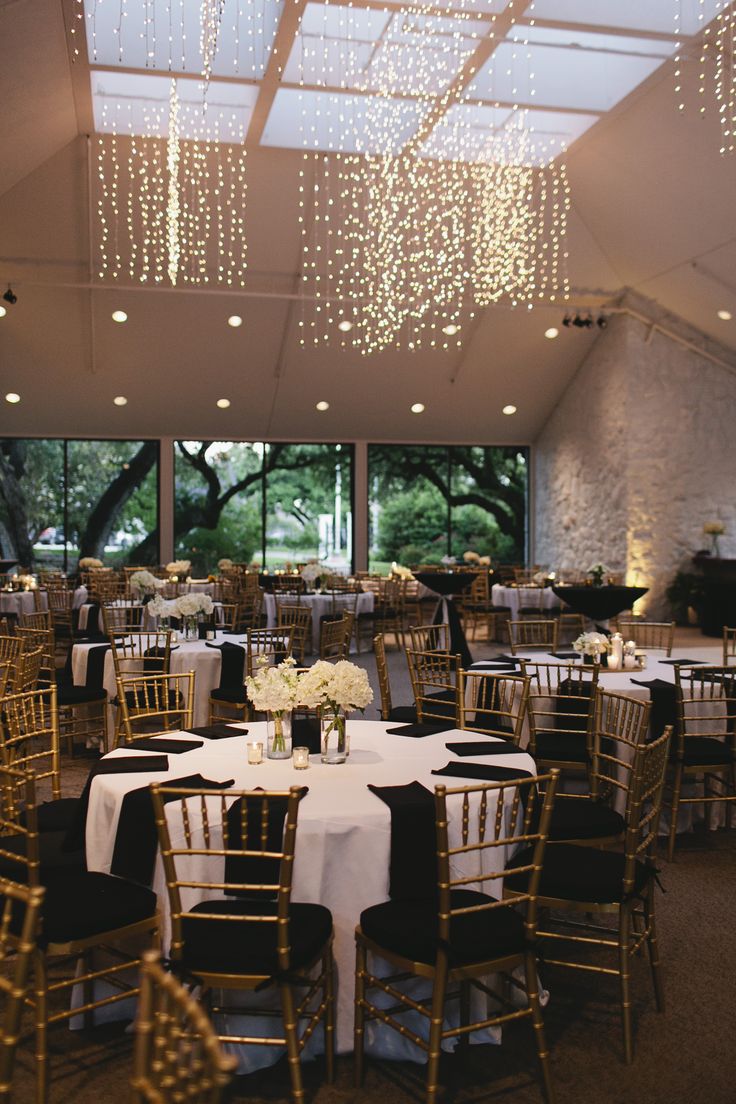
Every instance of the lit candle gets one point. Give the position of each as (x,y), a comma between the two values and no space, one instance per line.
(300,758)
(255,753)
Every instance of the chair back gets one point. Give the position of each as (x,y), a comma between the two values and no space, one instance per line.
(151,704)
(533,633)
(227,616)
(477,828)
(649,635)
(384,686)
(20,913)
(177,1055)
(243,844)
(335,636)
(298,620)
(561,700)
(706,706)
(494,704)
(10,648)
(141,652)
(29,739)
(619,728)
(41,619)
(251,604)
(274,645)
(434,681)
(122,619)
(44,639)
(644,805)
(19,846)
(27,669)
(729,645)
(430,638)
(289,584)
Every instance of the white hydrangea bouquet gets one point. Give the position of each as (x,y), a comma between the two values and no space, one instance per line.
(275,690)
(471,557)
(591,643)
(224,564)
(162,607)
(401,572)
(143,582)
(312,571)
(335,689)
(191,605)
(179,568)
(88,563)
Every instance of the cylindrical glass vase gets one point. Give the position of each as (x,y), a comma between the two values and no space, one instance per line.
(335,736)
(278,735)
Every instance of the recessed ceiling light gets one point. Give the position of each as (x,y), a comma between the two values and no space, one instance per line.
(346,326)
(120,400)
(417,408)
(119,316)
(322,405)
(11,397)
(3,312)
(223,403)
(510,409)
(235,320)
(725,315)
(551,333)
(450,329)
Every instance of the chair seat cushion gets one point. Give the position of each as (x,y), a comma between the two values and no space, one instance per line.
(702,749)
(580,819)
(573,873)
(403,713)
(57,816)
(79,695)
(249,946)
(562,747)
(233,694)
(83,905)
(55,860)
(409,928)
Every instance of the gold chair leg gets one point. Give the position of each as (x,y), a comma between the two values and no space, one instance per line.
(624,962)
(292,1043)
(439,988)
(464,1040)
(674,809)
(359,1021)
(40,977)
(328,966)
(532,992)
(653,950)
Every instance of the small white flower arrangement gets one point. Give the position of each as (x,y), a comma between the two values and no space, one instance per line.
(539,578)
(712,528)
(274,689)
(88,563)
(591,643)
(598,569)
(401,572)
(341,685)
(191,605)
(484,561)
(471,557)
(27,582)
(448,560)
(143,582)
(179,567)
(311,571)
(225,564)
(162,607)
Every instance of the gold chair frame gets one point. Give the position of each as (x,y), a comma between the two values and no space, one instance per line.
(649,635)
(493,704)
(433,674)
(147,699)
(533,633)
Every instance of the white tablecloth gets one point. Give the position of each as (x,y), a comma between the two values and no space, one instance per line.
(189,655)
(22,601)
(344,831)
(319,604)
(513,597)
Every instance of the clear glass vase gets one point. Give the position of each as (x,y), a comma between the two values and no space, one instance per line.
(278,735)
(335,736)
(191,627)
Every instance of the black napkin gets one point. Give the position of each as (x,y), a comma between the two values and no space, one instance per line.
(93,619)
(245,813)
(482,771)
(571,707)
(217,731)
(664,704)
(565,655)
(96,666)
(134,854)
(682,662)
(413,866)
(494,666)
(418,731)
(161,743)
(491,747)
(233,664)
(121,764)
(504,658)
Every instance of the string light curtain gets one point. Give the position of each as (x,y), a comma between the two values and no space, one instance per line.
(716,64)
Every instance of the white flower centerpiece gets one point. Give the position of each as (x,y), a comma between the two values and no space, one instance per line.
(143,584)
(191,609)
(89,563)
(336,689)
(714,530)
(163,608)
(312,572)
(225,564)
(401,572)
(471,557)
(275,691)
(597,571)
(178,569)
(591,644)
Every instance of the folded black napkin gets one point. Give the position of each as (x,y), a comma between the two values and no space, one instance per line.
(244,833)
(683,662)
(482,771)
(163,743)
(121,764)
(134,854)
(504,658)
(233,664)
(217,731)
(418,731)
(96,666)
(664,704)
(566,655)
(490,747)
(413,865)
(494,665)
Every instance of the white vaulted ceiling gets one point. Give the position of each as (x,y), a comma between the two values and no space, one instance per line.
(652,210)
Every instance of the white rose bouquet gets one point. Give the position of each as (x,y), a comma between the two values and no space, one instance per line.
(312,571)
(143,582)
(179,567)
(87,563)
(591,643)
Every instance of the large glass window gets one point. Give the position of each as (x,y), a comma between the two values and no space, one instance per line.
(62,499)
(276,503)
(427,502)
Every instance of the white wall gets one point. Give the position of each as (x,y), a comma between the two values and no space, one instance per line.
(637,456)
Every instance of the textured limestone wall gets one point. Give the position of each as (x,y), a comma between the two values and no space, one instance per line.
(637,456)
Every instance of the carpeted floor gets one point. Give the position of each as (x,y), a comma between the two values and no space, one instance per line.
(686,1054)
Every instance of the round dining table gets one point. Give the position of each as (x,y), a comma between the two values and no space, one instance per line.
(343,847)
(18,602)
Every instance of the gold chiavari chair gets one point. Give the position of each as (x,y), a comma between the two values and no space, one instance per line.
(729,645)
(298,620)
(10,647)
(335,637)
(60,599)
(250,601)
(389,712)
(532,633)
(228,702)
(704,746)
(227,616)
(585,881)
(26,669)
(43,639)
(571,625)
(434,682)
(465,933)
(430,638)
(256,938)
(649,635)
(154,704)
(118,620)
(41,619)
(20,908)
(494,704)
(137,652)
(177,1056)
(288,584)
(561,712)
(82,912)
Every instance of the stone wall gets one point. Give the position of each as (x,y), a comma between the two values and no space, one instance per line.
(637,456)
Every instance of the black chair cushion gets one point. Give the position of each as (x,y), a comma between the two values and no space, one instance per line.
(562,747)
(409,928)
(83,905)
(574,873)
(403,713)
(581,819)
(235,695)
(57,816)
(702,749)
(55,861)
(249,946)
(501,609)
(79,695)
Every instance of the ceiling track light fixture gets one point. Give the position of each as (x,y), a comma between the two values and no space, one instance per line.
(585,321)
(10,296)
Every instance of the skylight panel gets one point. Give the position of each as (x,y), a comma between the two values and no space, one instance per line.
(636,15)
(343,123)
(593,40)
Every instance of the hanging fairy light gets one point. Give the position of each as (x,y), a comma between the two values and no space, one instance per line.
(719,43)
(173,206)
(210,21)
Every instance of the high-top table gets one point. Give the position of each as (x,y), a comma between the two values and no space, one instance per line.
(599,603)
(447,585)
(343,836)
